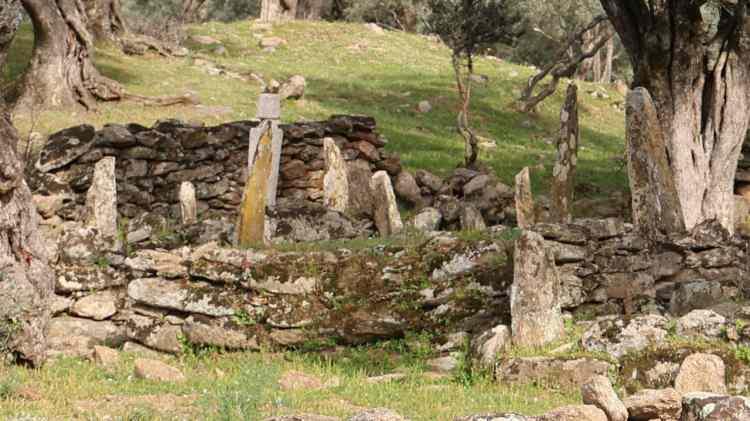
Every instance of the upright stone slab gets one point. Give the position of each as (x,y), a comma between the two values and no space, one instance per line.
(336,180)
(387,217)
(264,157)
(188,203)
(656,204)
(536,315)
(563,174)
(101,202)
(524,200)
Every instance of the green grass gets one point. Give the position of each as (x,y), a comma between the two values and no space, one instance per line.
(348,70)
(351,70)
(244,386)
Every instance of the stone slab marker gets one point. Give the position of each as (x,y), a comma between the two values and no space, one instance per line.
(264,157)
(336,179)
(101,202)
(524,200)
(536,314)
(188,203)
(387,217)
(656,204)
(563,175)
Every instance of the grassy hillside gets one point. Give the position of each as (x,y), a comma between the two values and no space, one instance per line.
(350,69)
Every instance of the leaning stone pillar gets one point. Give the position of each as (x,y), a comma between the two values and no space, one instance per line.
(536,311)
(264,158)
(101,203)
(387,217)
(563,175)
(656,204)
(524,200)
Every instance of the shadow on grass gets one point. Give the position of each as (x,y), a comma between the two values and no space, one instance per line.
(430,141)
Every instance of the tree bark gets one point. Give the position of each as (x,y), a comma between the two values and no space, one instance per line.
(26,280)
(105,21)
(191,10)
(62,71)
(692,57)
(278,10)
(10,18)
(312,9)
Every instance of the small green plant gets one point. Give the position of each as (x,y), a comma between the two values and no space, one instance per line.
(739,324)
(742,352)
(141,414)
(316,345)
(3,276)
(102,262)
(672,329)
(243,318)
(8,385)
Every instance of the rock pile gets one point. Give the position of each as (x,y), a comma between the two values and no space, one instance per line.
(467,199)
(601,403)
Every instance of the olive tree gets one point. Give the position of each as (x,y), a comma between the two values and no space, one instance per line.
(692,57)
(26,280)
(465,26)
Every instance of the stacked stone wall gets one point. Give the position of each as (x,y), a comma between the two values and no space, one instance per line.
(152,163)
(606,266)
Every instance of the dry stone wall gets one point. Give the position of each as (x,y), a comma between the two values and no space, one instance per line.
(152,163)
(607,267)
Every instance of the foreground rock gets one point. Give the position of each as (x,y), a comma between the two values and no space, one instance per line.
(106,357)
(634,335)
(377,415)
(649,404)
(702,373)
(710,407)
(99,306)
(574,413)
(297,380)
(157,371)
(598,391)
(565,373)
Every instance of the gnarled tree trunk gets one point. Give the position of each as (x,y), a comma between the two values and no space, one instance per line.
(105,20)
(62,72)
(191,10)
(313,9)
(10,18)
(278,10)
(106,23)
(693,58)
(26,280)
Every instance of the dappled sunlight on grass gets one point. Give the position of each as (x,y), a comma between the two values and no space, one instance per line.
(349,69)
